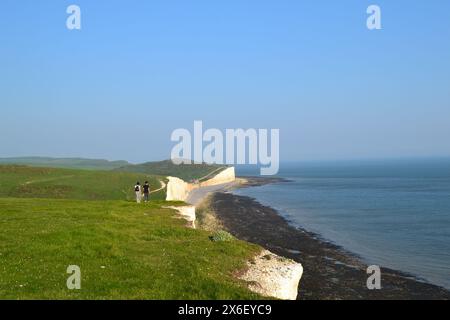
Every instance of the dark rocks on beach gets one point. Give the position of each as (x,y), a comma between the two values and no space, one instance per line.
(330,272)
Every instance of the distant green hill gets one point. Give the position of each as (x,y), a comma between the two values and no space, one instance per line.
(186,172)
(73,163)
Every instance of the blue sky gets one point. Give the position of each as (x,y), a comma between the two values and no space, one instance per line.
(140,69)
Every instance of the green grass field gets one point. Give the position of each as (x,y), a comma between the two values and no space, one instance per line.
(124,250)
(37,182)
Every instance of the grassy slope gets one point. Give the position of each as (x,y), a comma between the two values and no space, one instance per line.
(161,168)
(47,224)
(26,182)
(146,252)
(70,163)
(167,168)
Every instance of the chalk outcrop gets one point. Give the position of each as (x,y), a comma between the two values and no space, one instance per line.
(178,189)
(224,176)
(273,276)
(187,213)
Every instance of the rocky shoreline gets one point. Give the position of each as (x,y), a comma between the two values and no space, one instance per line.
(330,272)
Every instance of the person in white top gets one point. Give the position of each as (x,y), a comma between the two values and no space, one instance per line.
(137,189)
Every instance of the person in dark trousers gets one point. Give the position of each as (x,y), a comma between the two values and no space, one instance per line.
(146,188)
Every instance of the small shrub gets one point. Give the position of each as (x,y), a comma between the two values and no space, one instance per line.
(221,236)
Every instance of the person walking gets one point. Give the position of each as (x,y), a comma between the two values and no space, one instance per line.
(137,190)
(146,188)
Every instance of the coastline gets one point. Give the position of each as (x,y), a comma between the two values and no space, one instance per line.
(331,272)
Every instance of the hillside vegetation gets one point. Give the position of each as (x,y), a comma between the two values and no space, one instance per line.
(186,172)
(71,163)
(34,182)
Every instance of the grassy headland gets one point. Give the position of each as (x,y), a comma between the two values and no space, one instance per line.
(52,218)
(125,251)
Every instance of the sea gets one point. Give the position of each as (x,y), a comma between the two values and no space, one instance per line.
(391,213)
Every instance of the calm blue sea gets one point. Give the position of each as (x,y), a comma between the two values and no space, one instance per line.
(392,213)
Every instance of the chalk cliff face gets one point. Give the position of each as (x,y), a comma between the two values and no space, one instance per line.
(274,276)
(178,189)
(225,176)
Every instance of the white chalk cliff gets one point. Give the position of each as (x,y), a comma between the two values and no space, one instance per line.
(273,276)
(178,189)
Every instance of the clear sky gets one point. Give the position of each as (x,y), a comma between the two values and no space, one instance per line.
(137,70)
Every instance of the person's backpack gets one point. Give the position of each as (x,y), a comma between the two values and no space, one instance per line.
(136,188)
